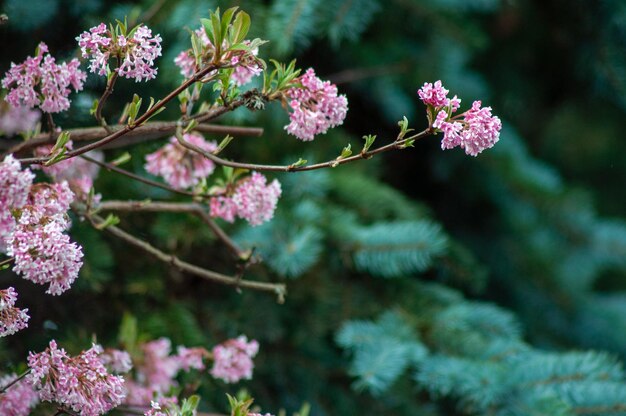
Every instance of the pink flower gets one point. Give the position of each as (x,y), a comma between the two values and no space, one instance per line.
(39,81)
(81,383)
(189,358)
(15,185)
(474,130)
(12,319)
(155,410)
(233,359)
(19,399)
(253,200)
(117,361)
(15,120)
(316,107)
(137,53)
(180,167)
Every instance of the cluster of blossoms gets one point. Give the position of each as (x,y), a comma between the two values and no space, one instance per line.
(17,400)
(117,361)
(253,200)
(316,107)
(155,373)
(77,172)
(246,64)
(180,167)
(474,130)
(33,222)
(15,120)
(40,81)
(12,319)
(232,360)
(81,383)
(136,54)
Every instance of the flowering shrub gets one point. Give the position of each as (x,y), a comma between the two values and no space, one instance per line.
(35,215)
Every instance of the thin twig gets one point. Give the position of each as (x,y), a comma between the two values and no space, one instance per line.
(107,92)
(277,288)
(129,127)
(191,208)
(397,144)
(6,261)
(21,376)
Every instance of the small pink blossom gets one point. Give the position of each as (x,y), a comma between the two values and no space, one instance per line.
(189,358)
(40,81)
(15,186)
(155,410)
(12,319)
(316,107)
(15,120)
(233,359)
(253,200)
(137,53)
(19,399)
(117,361)
(180,167)
(81,383)
(474,130)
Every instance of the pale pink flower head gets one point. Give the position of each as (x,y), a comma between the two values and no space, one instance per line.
(155,410)
(180,167)
(233,359)
(12,319)
(253,199)
(434,94)
(137,53)
(19,399)
(117,361)
(316,107)
(15,120)
(158,369)
(40,81)
(189,358)
(81,383)
(15,185)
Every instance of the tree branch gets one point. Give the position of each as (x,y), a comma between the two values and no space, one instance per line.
(277,288)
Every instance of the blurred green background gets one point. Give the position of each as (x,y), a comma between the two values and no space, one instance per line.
(535,225)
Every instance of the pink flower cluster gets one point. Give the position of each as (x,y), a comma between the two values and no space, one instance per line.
(15,120)
(180,167)
(232,360)
(316,107)
(79,173)
(12,319)
(246,64)
(15,184)
(19,399)
(81,383)
(117,361)
(136,54)
(39,81)
(155,410)
(474,130)
(253,200)
(155,373)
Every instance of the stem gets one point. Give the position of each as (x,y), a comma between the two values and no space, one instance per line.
(21,376)
(6,261)
(129,127)
(191,208)
(277,288)
(397,144)
(138,178)
(103,99)
(51,126)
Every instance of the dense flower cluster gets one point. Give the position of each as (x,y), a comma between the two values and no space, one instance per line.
(19,399)
(316,107)
(136,54)
(117,361)
(253,200)
(155,373)
(15,120)
(12,319)
(474,130)
(246,64)
(233,359)
(81,383)
(180,167)
(42,252)
(40,81)
(15,184)
(79,173)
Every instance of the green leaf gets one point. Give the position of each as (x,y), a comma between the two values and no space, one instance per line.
(121,159)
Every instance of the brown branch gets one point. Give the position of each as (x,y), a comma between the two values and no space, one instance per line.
(132,126)
(277,288)
(149,131)
(21,376)
(107,92)
(397,144)
(191,208)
